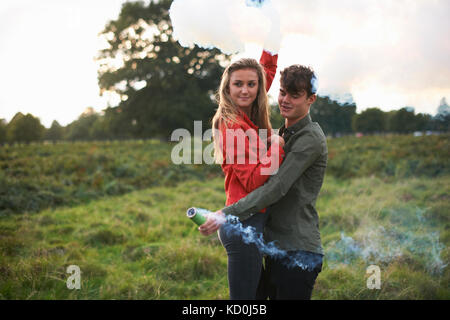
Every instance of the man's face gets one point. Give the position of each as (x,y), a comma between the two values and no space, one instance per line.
(294,106)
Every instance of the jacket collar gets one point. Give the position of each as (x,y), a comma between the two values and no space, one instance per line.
(247,120)
(296,127)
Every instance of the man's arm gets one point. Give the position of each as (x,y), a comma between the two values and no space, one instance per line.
(251,166)
(302,156)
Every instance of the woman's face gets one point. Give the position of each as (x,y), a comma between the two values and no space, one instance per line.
(244,88)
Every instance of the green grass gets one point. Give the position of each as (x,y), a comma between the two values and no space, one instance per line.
(394,156)
(117,210)
(141,246)
(39,176)
(409,211)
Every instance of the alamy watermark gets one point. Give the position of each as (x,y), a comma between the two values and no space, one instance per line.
(374,280)
(241,147)
(74,281)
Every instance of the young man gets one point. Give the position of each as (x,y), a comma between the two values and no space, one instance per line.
(290,195)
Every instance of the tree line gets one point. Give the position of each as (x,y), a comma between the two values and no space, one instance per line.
(163,86)
(335,119)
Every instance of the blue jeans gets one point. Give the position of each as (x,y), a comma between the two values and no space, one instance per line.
(244,260)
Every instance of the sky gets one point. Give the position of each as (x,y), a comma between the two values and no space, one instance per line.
(47,51)
(385,53)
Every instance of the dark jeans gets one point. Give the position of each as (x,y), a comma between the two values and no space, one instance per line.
(279,281)
(244,260)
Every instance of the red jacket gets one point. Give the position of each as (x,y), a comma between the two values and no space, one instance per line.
(243,178)
(269,63)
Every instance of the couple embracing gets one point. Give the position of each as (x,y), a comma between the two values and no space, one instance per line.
(275,194)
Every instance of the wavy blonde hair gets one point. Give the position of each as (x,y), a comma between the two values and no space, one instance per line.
(227,112)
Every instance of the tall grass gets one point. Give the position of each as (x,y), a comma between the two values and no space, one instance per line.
(39,176)
(138,243)
(141,245)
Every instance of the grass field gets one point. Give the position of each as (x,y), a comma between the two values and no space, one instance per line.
(138,244)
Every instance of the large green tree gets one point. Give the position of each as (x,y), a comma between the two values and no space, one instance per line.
(24,128)
(162,85)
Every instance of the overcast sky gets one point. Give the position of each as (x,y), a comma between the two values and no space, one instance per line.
(387,53)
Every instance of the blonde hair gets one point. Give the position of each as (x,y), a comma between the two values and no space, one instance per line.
(227,112)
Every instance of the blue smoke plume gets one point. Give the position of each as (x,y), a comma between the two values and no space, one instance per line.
(406,233)
(301,259)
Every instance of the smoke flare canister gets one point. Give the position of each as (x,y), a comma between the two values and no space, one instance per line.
(197,215)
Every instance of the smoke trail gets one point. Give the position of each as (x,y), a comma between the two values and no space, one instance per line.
(357,47)
(301,259)
(409,233)
(233,226)
(250,236)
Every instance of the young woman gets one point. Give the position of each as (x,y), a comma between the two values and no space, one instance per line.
(243,111)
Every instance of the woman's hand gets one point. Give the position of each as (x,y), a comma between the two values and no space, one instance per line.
(278,139)
(213,223)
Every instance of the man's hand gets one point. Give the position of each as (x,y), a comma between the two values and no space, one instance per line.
(213,223)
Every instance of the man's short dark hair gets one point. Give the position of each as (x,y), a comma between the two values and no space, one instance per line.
(296,79)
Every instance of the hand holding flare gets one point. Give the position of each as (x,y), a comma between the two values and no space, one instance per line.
(213,223)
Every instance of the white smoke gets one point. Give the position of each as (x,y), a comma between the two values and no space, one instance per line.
(386,53)
(407,233)
(299,259)
(225,24)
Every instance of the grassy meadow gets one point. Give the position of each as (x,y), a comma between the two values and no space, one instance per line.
(117,210)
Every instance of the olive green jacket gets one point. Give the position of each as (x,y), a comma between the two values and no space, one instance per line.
(290,195)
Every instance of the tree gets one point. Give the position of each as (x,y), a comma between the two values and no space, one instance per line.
(55,132)
(334,118)
(371,120)
(424,122)
(115,124)
(2,131)
(84,128)
(162,85)
(24,128)
(403,121)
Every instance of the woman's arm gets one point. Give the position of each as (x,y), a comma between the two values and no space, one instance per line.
(269,62)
